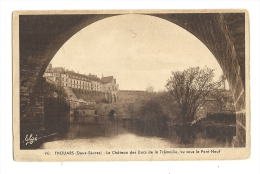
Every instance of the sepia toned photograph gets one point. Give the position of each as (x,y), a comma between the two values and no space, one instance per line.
(131,85)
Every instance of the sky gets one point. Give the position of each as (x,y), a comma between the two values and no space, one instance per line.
(138,50)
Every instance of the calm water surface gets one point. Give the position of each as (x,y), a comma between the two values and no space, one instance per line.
(116,137)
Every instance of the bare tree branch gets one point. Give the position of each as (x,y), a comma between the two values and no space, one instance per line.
(190,89)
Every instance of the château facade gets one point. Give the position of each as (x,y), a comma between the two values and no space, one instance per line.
(83,83)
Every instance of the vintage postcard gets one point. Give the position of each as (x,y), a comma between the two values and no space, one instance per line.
(131,85)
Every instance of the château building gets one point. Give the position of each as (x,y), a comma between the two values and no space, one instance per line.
(83,83)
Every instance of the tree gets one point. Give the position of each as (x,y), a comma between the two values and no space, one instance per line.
(189,89)
(152,113)
(149,89)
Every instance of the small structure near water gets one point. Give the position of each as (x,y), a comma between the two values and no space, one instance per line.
(84,114)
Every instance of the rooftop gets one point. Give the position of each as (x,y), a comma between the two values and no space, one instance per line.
(107,79)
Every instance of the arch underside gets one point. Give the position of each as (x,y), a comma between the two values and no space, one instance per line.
(41,36)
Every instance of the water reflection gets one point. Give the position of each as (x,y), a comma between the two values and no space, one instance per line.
(118,135)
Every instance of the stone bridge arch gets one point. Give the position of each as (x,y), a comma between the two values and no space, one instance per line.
(41,36)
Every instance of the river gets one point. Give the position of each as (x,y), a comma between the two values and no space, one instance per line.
(116,136)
